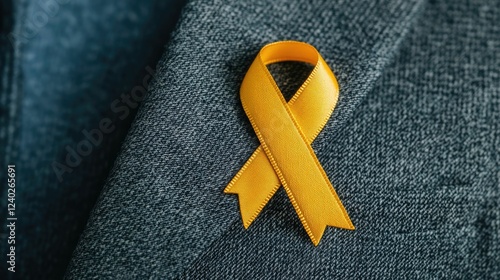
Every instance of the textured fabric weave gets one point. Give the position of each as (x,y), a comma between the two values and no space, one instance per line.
(416,163)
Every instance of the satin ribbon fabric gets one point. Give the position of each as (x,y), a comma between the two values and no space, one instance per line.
(285,131)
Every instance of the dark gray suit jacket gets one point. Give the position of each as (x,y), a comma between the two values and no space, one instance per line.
(413,148)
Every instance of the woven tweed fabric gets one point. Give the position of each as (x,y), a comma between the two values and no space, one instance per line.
(62,64)
(412,149)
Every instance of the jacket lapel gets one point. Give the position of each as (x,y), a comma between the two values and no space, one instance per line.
(192,129)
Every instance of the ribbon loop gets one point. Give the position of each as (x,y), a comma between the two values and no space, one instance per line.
(285,131)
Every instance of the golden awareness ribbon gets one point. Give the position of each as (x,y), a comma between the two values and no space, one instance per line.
(285,131)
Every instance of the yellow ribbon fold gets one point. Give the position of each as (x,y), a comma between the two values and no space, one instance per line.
(285,131)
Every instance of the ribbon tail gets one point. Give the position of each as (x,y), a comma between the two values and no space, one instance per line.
(254,184)
(326,210)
